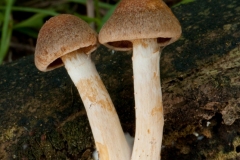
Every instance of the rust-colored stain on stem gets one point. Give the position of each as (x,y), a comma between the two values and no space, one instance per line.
(156,110)
(155,75)
(94,90)
(102,151)
(148,131)
(140,42)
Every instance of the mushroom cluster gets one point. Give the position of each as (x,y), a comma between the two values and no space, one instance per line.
(145,27)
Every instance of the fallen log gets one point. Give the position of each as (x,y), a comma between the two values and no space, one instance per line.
(42,116)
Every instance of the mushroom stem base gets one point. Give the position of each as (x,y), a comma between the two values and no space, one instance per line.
(106,128)
(148,100)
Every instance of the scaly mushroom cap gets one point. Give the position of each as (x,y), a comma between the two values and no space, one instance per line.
(61,35)
(140,19)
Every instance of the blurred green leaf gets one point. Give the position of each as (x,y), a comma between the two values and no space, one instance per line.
(101,4)
(33,10)
(97,10)
(28,31)
(1,18)
(183,2)
(6,30)
(107,15)
(50,12)
(87,19)
(36,21)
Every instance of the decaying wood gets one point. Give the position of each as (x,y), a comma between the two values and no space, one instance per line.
(42,116)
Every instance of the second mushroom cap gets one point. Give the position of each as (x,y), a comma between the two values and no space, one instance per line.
(134,19)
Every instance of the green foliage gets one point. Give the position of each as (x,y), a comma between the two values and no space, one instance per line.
(31,25)
(6,31)
(183,2)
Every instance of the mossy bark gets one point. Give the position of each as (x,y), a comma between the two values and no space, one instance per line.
(42,116)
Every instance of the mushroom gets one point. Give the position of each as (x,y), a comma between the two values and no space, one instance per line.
(67,40)
(146,27)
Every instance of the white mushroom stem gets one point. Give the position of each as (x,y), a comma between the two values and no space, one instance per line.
(107,132)
(148,100)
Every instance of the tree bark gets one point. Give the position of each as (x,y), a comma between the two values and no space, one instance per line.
(42,115)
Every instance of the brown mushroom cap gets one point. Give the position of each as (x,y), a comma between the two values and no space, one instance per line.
(140,19)
(61,35)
